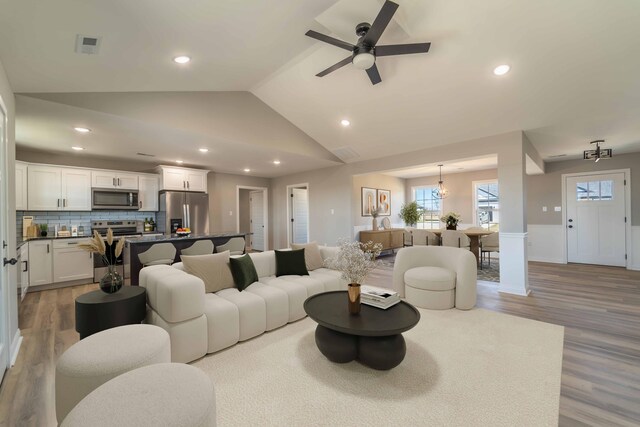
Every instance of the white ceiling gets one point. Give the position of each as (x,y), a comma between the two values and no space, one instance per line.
(468,165)
(574,77)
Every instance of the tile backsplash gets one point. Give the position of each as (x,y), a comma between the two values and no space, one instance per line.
(81,219)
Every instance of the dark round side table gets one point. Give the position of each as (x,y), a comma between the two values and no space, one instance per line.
(373,337)
(97,311)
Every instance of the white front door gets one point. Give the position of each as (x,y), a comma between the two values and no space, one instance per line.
(256,203)
(4,254)
(596,229)
(299,215)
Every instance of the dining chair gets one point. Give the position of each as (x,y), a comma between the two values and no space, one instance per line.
(489,243)
(425,238)
(455,238)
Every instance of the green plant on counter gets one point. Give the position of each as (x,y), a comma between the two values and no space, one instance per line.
(44,227)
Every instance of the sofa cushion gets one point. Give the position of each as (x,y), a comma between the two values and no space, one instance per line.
(243,271)
(291,263)
(252,312)
(312,257)
(175,295)
(213,269)
(265,263)
(430,278)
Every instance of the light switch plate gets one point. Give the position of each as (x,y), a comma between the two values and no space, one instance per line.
(557,208)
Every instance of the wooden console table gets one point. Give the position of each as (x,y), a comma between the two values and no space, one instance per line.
(389,239)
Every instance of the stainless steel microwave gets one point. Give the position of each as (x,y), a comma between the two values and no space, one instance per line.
(114,199)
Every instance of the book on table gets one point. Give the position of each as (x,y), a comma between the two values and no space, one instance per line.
(378,297)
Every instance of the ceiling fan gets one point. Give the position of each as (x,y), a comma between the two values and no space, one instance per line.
(364,52)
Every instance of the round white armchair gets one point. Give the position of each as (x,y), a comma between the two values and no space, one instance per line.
(436,277)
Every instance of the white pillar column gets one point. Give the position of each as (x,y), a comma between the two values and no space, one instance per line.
(514,271)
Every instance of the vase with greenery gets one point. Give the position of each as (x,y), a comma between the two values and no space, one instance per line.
(355,260)
(375,213)
(410,213)
(451,220)
(112,281)
(44,229)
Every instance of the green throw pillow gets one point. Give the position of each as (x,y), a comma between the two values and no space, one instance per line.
(243,271)
(291,263)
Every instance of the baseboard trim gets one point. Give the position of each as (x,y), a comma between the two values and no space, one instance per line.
(513,290)
(550,260)
(633,267)
(16,343)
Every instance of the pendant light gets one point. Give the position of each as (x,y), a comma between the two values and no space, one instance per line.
(441,192)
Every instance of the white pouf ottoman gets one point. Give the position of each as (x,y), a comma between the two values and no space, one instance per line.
(166,394)
(430,287)
(100,357)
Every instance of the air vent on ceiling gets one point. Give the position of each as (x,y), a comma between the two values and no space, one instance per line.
(346,153)
(557,155)
(146,155)
(87,44)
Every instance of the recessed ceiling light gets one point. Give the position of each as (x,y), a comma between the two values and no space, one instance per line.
(77,148)
(247,170)
(501,70)
(345,122)
(179,162)
(82,130)
(181,59)
(276,162)
(204,150)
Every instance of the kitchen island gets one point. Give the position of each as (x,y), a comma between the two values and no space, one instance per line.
(137,245)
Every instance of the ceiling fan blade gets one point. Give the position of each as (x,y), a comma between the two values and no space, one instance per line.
(334,67)
(374,75)
(327,39)
(402,49)
(380,24)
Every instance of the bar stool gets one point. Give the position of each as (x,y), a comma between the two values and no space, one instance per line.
(160,253)
(200,247)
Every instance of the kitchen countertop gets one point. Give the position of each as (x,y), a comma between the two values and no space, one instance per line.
(175,237)
(23,240)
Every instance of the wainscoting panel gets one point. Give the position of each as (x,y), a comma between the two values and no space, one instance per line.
(546,243)
(635,248)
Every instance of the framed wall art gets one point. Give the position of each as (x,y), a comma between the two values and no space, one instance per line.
(384,202)
(369,197)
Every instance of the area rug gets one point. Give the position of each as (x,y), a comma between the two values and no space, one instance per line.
(462,368)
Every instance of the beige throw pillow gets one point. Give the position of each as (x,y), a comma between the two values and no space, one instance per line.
(312,256)
(213,269)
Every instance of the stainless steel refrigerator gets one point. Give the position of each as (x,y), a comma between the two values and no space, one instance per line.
(183,209)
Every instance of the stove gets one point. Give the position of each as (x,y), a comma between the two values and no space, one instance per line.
(121,229)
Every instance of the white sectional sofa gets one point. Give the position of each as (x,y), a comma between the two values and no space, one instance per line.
(200,323)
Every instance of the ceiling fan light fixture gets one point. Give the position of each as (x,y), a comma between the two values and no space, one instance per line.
(363,61)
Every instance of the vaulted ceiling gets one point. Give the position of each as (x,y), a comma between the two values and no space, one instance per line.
(573,78)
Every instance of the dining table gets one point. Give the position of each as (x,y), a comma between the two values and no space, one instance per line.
(474,238)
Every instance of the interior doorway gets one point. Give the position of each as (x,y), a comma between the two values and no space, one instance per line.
(4,255)
(596,217)
(252,207)
(298,213)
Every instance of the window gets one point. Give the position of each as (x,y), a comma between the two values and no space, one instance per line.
(431,206)
(487,204)
(594,190)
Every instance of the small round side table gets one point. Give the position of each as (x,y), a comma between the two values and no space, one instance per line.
(97,311)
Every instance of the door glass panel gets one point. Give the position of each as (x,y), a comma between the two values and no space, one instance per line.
(594,190)
(582,190)
(606,190)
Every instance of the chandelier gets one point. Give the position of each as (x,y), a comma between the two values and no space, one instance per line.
(441,191)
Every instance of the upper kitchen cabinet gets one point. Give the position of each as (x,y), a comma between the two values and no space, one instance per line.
(21,186)
(114,179)
(182,179)
(58,189)
(148,193)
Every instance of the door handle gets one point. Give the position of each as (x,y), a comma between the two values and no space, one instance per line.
(187,185)
(114,182)
(119,184)
(58,202)
(11,261)
(64,203)
(47,248)
(140,204)
(188,217)
(26,266)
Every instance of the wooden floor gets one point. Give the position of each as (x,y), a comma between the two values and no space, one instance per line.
(599,307)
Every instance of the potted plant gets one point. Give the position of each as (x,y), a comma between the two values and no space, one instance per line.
(451,220)
(410,213)
(355,261)
(112,281)
(44,228)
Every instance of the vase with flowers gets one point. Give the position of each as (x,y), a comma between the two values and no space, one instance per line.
(451,220)
(375,213)
(112,281)
(355,260)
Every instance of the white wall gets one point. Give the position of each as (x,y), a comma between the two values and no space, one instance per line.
(7,96)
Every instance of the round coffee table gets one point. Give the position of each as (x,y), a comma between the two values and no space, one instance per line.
(97,311)
(373,337)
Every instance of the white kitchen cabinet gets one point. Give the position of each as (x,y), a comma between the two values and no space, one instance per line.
(21,186)
(40,262)
(182,179)
(58,189)
(70,262)
(148,193)
(114,179)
